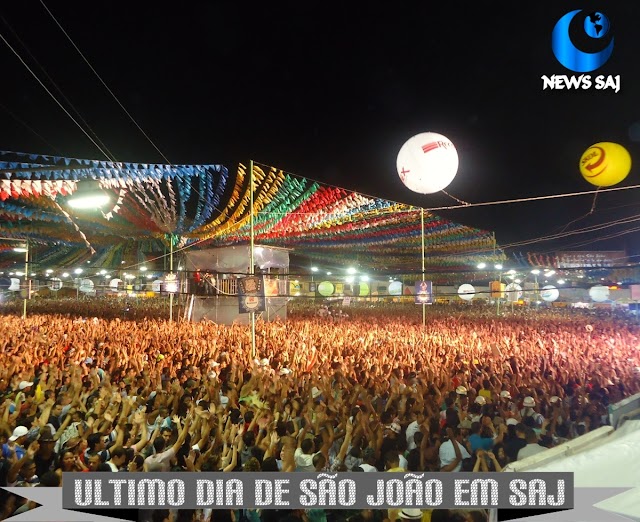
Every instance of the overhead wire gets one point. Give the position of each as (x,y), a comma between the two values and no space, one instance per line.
(534,198)
(591,228)
(33,131)
(588,242)
(26,65)
(104,83)
(55,85)
(604,238)
(101,147)
(189,180)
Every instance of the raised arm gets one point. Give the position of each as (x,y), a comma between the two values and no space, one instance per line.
(183,434)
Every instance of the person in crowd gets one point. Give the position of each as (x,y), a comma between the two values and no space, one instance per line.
(366,393)
(532,447)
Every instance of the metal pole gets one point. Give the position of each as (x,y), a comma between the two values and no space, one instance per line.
(424,309)
(251,270)
(171,272)
(512,305)
(27,282)
(499,293)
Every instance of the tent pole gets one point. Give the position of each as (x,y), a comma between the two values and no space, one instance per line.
(251,257)
(424,310)
(27,282)
(171,272)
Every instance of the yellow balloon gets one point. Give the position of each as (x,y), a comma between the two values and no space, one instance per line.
(605,164)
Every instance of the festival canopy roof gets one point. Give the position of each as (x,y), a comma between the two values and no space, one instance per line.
(195,206)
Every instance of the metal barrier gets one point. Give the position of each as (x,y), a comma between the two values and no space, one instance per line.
(628,408)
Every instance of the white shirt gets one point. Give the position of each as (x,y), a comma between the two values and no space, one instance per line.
(403,463)
(448,455)
(530,450)
(412,429)
(159,461)
(304,461)
(368,467)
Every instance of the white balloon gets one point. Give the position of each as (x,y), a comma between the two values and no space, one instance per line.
(549,293)
(114,284)
(427,163)
(466,292)
(395,288)
(514,292)
(599,293)
(86,286)
(15,285)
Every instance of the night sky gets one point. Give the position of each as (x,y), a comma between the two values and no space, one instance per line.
(331,91)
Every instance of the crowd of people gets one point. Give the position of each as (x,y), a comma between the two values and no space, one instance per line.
(372,392)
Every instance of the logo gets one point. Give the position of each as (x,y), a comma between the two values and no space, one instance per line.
(582,42)
(596,27)
(597,163)
(428,147)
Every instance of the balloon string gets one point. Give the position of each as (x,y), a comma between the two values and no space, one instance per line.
(595,197)
(465,203)
(593,207)
(535,198)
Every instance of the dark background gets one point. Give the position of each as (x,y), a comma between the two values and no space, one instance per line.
(331,91)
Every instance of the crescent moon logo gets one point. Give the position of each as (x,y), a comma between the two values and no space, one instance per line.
(596,164)
(569,55)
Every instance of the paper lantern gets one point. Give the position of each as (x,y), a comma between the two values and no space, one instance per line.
(395,288)
(326,288)
(514,292)
(466,292)
(605,164)
(549,293)
(427,163)
(599,293)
